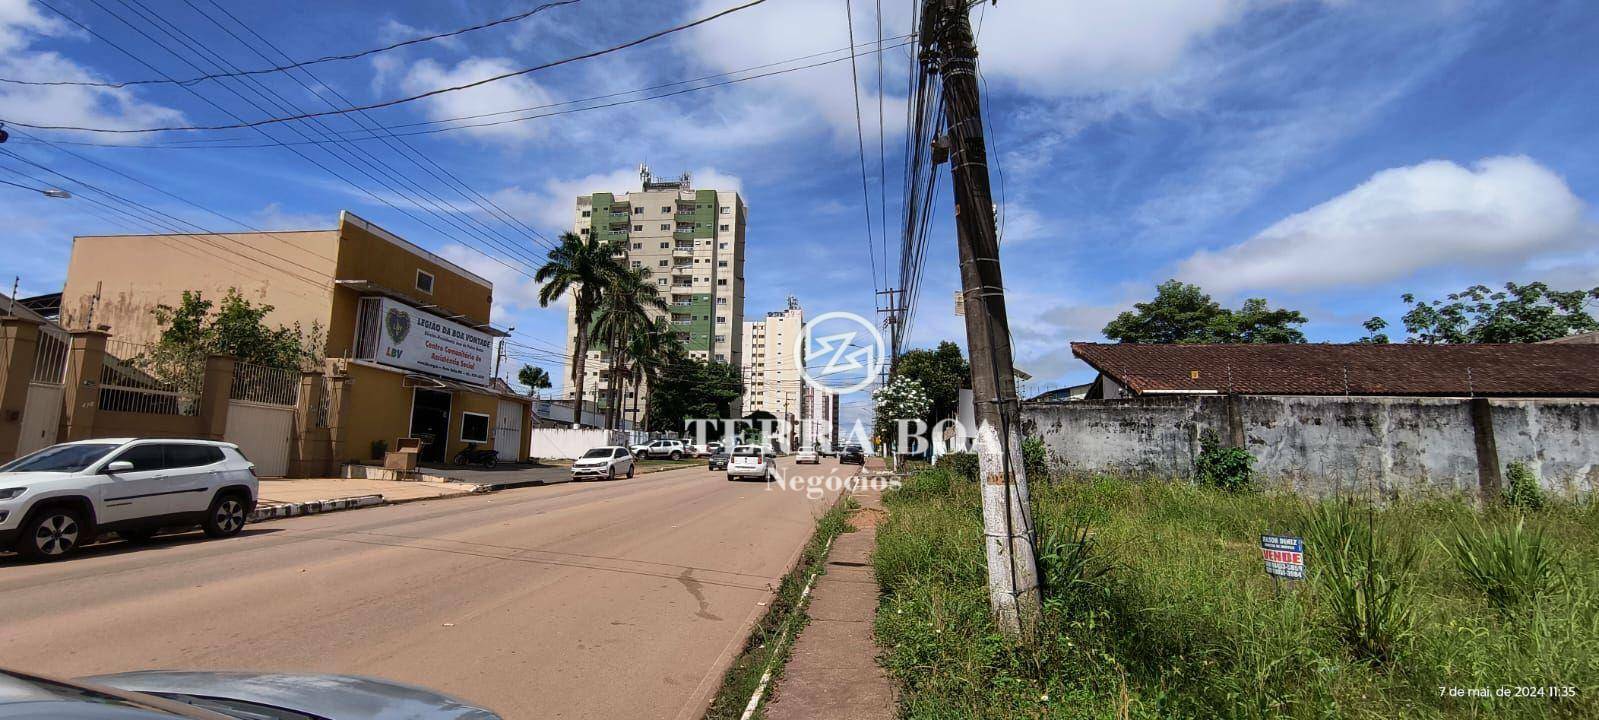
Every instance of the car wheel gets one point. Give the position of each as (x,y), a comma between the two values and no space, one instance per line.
(676,455)
(52,534)
(139,536)
(611,473)
(730,477)
(226,516)
(630,471)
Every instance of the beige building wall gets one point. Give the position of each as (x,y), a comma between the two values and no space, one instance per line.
(772,379)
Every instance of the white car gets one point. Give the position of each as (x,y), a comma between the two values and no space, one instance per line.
(749,461)
(706,450)
(672,449)
(807,455)
(604,462)
(58,499)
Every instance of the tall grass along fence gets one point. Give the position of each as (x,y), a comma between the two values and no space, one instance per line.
(1156,605)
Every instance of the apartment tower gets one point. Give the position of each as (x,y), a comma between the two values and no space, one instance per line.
(772,380)
(692,242)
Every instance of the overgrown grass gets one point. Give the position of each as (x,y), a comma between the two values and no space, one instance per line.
(782,620)
(1158,607)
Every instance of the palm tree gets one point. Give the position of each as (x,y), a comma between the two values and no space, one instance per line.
(580,267)
(535,377)
(623,312)
(652,352)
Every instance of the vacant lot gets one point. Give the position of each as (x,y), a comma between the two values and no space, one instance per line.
(1156,605)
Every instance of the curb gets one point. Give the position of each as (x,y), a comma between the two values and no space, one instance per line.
(274,512)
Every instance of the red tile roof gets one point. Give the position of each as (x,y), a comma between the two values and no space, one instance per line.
(1534,370)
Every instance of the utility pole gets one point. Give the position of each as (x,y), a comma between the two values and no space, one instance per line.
(948,45)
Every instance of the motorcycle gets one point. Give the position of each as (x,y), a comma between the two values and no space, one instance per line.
(471,455)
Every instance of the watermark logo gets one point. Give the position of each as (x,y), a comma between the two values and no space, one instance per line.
(839,353)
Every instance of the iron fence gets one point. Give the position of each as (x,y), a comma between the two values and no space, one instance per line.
(262,384)
(50,358)
(146,379)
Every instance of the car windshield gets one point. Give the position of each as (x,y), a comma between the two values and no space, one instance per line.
(597,453)
(61,458)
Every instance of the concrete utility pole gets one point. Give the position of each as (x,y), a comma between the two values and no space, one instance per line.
(1007,517)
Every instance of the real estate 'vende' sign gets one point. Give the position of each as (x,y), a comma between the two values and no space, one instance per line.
(420,341)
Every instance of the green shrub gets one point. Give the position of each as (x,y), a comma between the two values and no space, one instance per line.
(1365,578)
(1066,561)
(1227,468)
(963,464)
(1035,458)
(1521,487)
(1509,565)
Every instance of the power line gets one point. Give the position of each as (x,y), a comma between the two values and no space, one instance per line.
(410,98)
(860,141)
(217,142)
(300,64)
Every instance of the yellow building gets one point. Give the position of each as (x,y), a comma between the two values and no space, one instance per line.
(406,333)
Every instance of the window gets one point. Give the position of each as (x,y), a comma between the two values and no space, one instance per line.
(721,263)
(727,210)
(192,455)
(638,228)
(721,301)
(638,246)
(665,245)
(666,226)
(586,213)
(725,227)
(666,209)
(583,231)
(60,458)
(721,318)
(721,338)
(474,427)
(638,211)
(143,457)
(721,281)
(721,246)
(661,282)
(637,264)
(424,281)
(663,263)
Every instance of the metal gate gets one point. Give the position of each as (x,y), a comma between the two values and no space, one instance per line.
(40,417)
(508,430)
(261,416)
(263,432)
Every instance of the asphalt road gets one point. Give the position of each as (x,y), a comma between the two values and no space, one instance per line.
(623,599)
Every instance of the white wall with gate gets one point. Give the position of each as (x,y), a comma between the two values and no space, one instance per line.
(565,443)
(264,432)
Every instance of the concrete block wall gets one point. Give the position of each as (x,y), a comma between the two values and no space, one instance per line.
(1382,446)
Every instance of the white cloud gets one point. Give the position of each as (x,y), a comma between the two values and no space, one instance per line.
(509,94)
(514,293)
(274,217)
(21,22)
(1055,49)
(1403,220)
(798,101)
(554,204)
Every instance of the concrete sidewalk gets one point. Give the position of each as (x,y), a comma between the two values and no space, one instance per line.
(832,672)
(288,498)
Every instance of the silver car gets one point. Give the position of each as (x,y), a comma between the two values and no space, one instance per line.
(607,462)
(165,695)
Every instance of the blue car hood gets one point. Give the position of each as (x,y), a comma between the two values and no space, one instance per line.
(337,697)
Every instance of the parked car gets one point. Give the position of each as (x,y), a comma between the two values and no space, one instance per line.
(164,695)
(717,461)
(60,498)
(672,449)
(750,461)
(852,455)
(807,455)
(706,450)
(607,462)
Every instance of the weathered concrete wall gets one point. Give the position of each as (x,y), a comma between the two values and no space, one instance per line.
(1324,445)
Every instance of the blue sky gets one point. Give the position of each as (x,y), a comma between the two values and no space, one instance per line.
(1328,156)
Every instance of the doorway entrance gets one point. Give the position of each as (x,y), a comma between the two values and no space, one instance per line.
(430,422)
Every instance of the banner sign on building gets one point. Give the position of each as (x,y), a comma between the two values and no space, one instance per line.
(413,339)
(1284,555)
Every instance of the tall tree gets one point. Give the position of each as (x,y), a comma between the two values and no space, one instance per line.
(1182,313)
(579,267)
(649,353)
(942,372)
(535,377)
(688,388)
(624,312)
(1518,314)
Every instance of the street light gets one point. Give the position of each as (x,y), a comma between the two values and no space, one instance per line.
(57,193)
(47,192)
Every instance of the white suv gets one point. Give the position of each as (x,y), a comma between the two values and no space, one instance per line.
(58,499)
(673,449)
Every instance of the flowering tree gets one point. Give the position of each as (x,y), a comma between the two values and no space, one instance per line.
(901,399)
